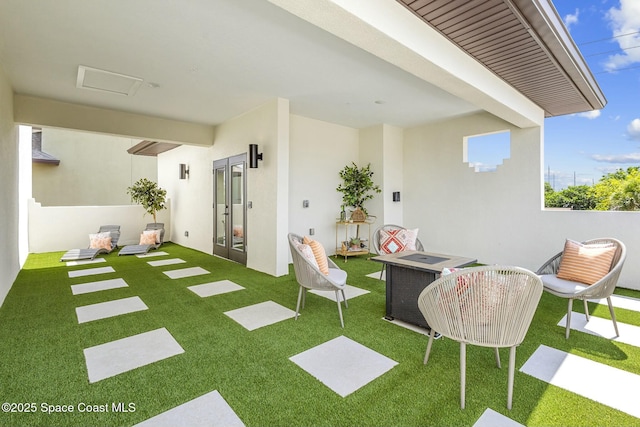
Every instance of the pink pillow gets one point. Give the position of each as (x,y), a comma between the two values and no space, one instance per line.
(155,233)
(100,241)
(148,239)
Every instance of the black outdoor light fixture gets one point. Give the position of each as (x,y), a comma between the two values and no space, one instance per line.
(396,196)
(184,171)
(254,156)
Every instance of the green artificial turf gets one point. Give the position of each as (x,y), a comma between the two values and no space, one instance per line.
(42,361)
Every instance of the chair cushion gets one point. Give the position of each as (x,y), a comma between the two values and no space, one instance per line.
(585,263)
(320,254)
(337,276)
(552,282)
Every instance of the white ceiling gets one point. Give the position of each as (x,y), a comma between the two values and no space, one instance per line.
(211,60)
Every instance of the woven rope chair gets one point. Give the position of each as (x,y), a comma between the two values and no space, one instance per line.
(309,276)
(375,241)
(603,288)
(489,306)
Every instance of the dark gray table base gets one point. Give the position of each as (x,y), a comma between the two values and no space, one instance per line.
(402,296)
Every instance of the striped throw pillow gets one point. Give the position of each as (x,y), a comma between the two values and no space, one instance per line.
(585,263)
(320,254)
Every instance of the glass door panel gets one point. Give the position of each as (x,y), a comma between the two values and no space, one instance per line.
(237,206)
(230,208)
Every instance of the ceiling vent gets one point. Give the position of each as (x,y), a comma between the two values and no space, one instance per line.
(106,81)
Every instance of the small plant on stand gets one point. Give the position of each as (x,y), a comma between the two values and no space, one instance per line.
(354,244)
(357,187)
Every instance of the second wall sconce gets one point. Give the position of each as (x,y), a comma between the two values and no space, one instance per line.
(254,156)
(396,196)
(184,171)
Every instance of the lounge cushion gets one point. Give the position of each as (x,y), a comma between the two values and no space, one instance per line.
(585,263)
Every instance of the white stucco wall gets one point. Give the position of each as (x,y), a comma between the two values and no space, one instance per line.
(192,198)
(97,167)
(318,151)
(9,255)
(382,147)
(267,186)
(60,228)
(497,217)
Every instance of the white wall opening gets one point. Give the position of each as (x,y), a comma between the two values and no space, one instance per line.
(484,153)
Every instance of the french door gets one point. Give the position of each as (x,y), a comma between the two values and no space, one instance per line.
(230,208)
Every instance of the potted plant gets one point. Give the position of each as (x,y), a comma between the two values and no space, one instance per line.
(354,243)
(357,186)
(149,195)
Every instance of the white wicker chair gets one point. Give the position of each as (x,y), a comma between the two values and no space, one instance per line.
(489,306)
(375,241)
(603,288)
(309,276)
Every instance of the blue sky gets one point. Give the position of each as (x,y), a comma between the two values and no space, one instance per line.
(584,147)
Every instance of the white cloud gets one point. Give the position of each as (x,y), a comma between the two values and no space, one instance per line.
(482,167)
(571,19)
(625,20)
(617,158)
(590,114)
(633,129)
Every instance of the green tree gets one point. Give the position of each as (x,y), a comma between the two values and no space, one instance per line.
(619,190)
(149,195)
(576,197)
(626,197)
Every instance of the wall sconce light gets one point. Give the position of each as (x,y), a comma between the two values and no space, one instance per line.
(184,171)
(254,156)
(396,196)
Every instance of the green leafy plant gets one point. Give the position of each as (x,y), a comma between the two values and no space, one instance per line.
(354,242)
(357,186)
(149,195)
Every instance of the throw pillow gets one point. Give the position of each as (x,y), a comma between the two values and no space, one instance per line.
(148,239)
(306,252)
(155,233)
(409,237)
(100,241)
(391,241)
(319,253)
(463,282)
(585,263)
